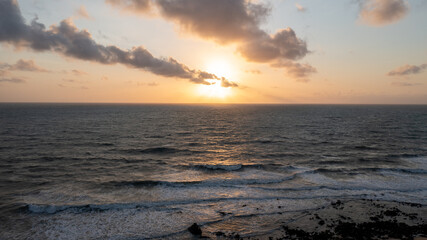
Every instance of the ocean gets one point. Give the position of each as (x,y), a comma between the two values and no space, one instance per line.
(129,171)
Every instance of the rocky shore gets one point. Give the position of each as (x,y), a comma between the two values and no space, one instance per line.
(342,219)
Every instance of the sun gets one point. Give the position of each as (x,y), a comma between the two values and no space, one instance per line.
(215,90)
(220,68)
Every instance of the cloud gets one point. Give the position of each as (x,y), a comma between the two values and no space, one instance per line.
(299,71)
(26,65)
(82,12)
(284,45)
(253,71)
(69,41)
(12,80)
(225,83)
(300,8)
(404,84)
(131,5)
(382,12)
(225,22)
(70,80)
(407,70)
(150,84)
(78,72)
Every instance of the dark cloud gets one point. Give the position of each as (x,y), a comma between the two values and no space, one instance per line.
(231,21)
(12,80)
(299,71)
(224,21)
(382,12)
(27,65)
(407,70)
(284,45)
(66,39)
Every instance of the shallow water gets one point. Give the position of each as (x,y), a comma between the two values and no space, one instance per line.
(145,171)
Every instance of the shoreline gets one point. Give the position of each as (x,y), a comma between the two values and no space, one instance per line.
(342,219)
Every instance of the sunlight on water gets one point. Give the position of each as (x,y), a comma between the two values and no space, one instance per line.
(153,170)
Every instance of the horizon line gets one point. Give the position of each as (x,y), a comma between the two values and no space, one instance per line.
(209,103)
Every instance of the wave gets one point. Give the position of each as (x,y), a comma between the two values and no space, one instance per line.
(355,171)
(52,209)
(152,183)
(236,182)
(208,167)
(284,155)
(267,140)
(157,150)
(341,188)
(364,147)
(238,167)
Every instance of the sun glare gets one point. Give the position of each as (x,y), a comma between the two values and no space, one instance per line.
(220,68)
(215,90)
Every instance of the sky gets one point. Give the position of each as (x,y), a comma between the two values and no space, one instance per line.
(206,51)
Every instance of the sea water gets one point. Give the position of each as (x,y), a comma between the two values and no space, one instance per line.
(111,171)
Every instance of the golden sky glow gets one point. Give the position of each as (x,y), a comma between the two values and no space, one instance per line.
(222,68)
(249,52)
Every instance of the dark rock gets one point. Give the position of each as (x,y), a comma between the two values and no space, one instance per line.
(219,234)
(392,212)
(337,203)
(366,230)
(415,205)
(370,230)
(195,229)
(321,222)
